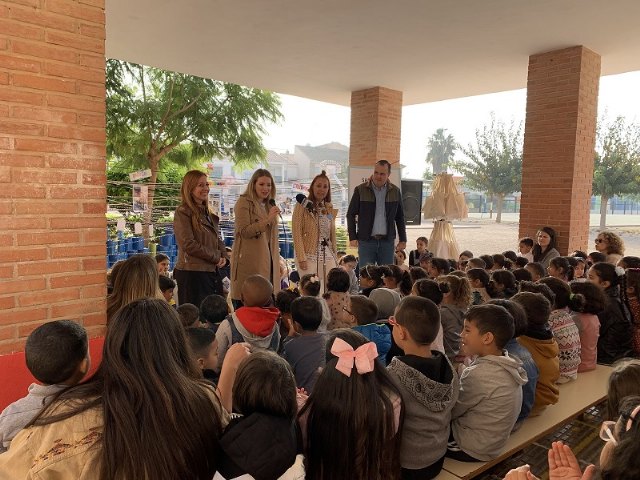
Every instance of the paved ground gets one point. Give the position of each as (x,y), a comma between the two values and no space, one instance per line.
(485,236)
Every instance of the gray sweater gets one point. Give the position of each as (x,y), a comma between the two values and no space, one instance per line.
(428,403)
(488,405)
(19,413)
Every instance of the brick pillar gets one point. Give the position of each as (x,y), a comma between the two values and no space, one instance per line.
(52,166)
(559,142)
(376,117)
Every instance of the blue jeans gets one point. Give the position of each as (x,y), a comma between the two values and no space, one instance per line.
(375,251)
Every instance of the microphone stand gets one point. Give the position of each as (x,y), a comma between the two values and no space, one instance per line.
(323,244)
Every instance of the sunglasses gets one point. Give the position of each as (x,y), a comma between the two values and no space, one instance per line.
(599,240)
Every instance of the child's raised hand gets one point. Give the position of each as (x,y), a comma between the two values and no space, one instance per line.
(301,397)
(563,464)
(236,353)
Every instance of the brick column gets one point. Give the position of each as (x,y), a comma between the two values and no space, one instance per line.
(559,142)
(52,166)
(376,117)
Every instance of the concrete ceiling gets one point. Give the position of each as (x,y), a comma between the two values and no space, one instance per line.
(324,49)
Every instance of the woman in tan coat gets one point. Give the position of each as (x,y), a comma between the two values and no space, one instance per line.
(200,248)
(314,231)
(255,247)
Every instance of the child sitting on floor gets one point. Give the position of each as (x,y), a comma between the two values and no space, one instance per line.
(310,287)
(213,310)
(543,348)
(261,440)
(479,280)
(586,319)
(518,351)
(429,387)
(204,348)
(189,315)
(490,396)
(365,311)
(57,355)
(564,329)
(341,438)
(337,298)
(305,350)
(255,322)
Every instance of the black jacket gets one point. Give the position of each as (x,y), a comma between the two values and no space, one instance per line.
(363,206)
(264,446)
(614,341)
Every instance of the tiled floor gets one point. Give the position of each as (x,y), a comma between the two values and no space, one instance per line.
(582,435)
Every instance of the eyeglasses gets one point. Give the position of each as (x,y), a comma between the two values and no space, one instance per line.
(606,432)
(599,240)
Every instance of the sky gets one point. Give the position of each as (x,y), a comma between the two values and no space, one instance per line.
(309,122)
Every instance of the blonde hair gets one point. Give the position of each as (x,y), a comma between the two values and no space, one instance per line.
(460,289)
(251,187)
(189,182)
(137,278)
(321,176)
(615,245)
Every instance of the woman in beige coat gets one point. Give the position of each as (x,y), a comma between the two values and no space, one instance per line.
(255,247)
(314,231)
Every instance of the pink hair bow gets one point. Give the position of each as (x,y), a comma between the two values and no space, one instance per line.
(363,356)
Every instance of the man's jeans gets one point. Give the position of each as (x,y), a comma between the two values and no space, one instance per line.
(375,251)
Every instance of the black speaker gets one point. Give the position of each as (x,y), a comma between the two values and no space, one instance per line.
(412,201)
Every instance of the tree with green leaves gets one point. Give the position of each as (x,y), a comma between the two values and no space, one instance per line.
(617,162)
(155,117)
(441,150)
(494,161)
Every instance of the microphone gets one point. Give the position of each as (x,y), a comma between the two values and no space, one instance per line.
(305,202)
(272,203)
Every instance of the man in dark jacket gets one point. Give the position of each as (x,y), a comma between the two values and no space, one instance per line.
(376,210)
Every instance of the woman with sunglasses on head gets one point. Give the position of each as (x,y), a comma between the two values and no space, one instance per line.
(546,246)
(611,245)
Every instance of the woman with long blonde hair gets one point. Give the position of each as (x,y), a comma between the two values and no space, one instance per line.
(314,230)
(255,248)
(201,251)
(137,278)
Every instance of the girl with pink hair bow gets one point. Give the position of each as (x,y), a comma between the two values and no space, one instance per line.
(351,422)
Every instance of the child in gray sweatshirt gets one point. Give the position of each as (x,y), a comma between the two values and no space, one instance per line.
(429,387)
(490,388)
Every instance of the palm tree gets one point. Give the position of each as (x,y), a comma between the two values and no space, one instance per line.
(441,150)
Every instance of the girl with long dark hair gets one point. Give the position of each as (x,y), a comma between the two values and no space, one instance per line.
(615,341)
(146,413)
(546,246)
(351,422)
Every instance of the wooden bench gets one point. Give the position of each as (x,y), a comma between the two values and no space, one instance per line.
(575,397)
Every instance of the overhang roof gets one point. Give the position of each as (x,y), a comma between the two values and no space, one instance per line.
(430,50)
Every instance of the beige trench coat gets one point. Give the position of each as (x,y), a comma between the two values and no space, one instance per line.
(255,246)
